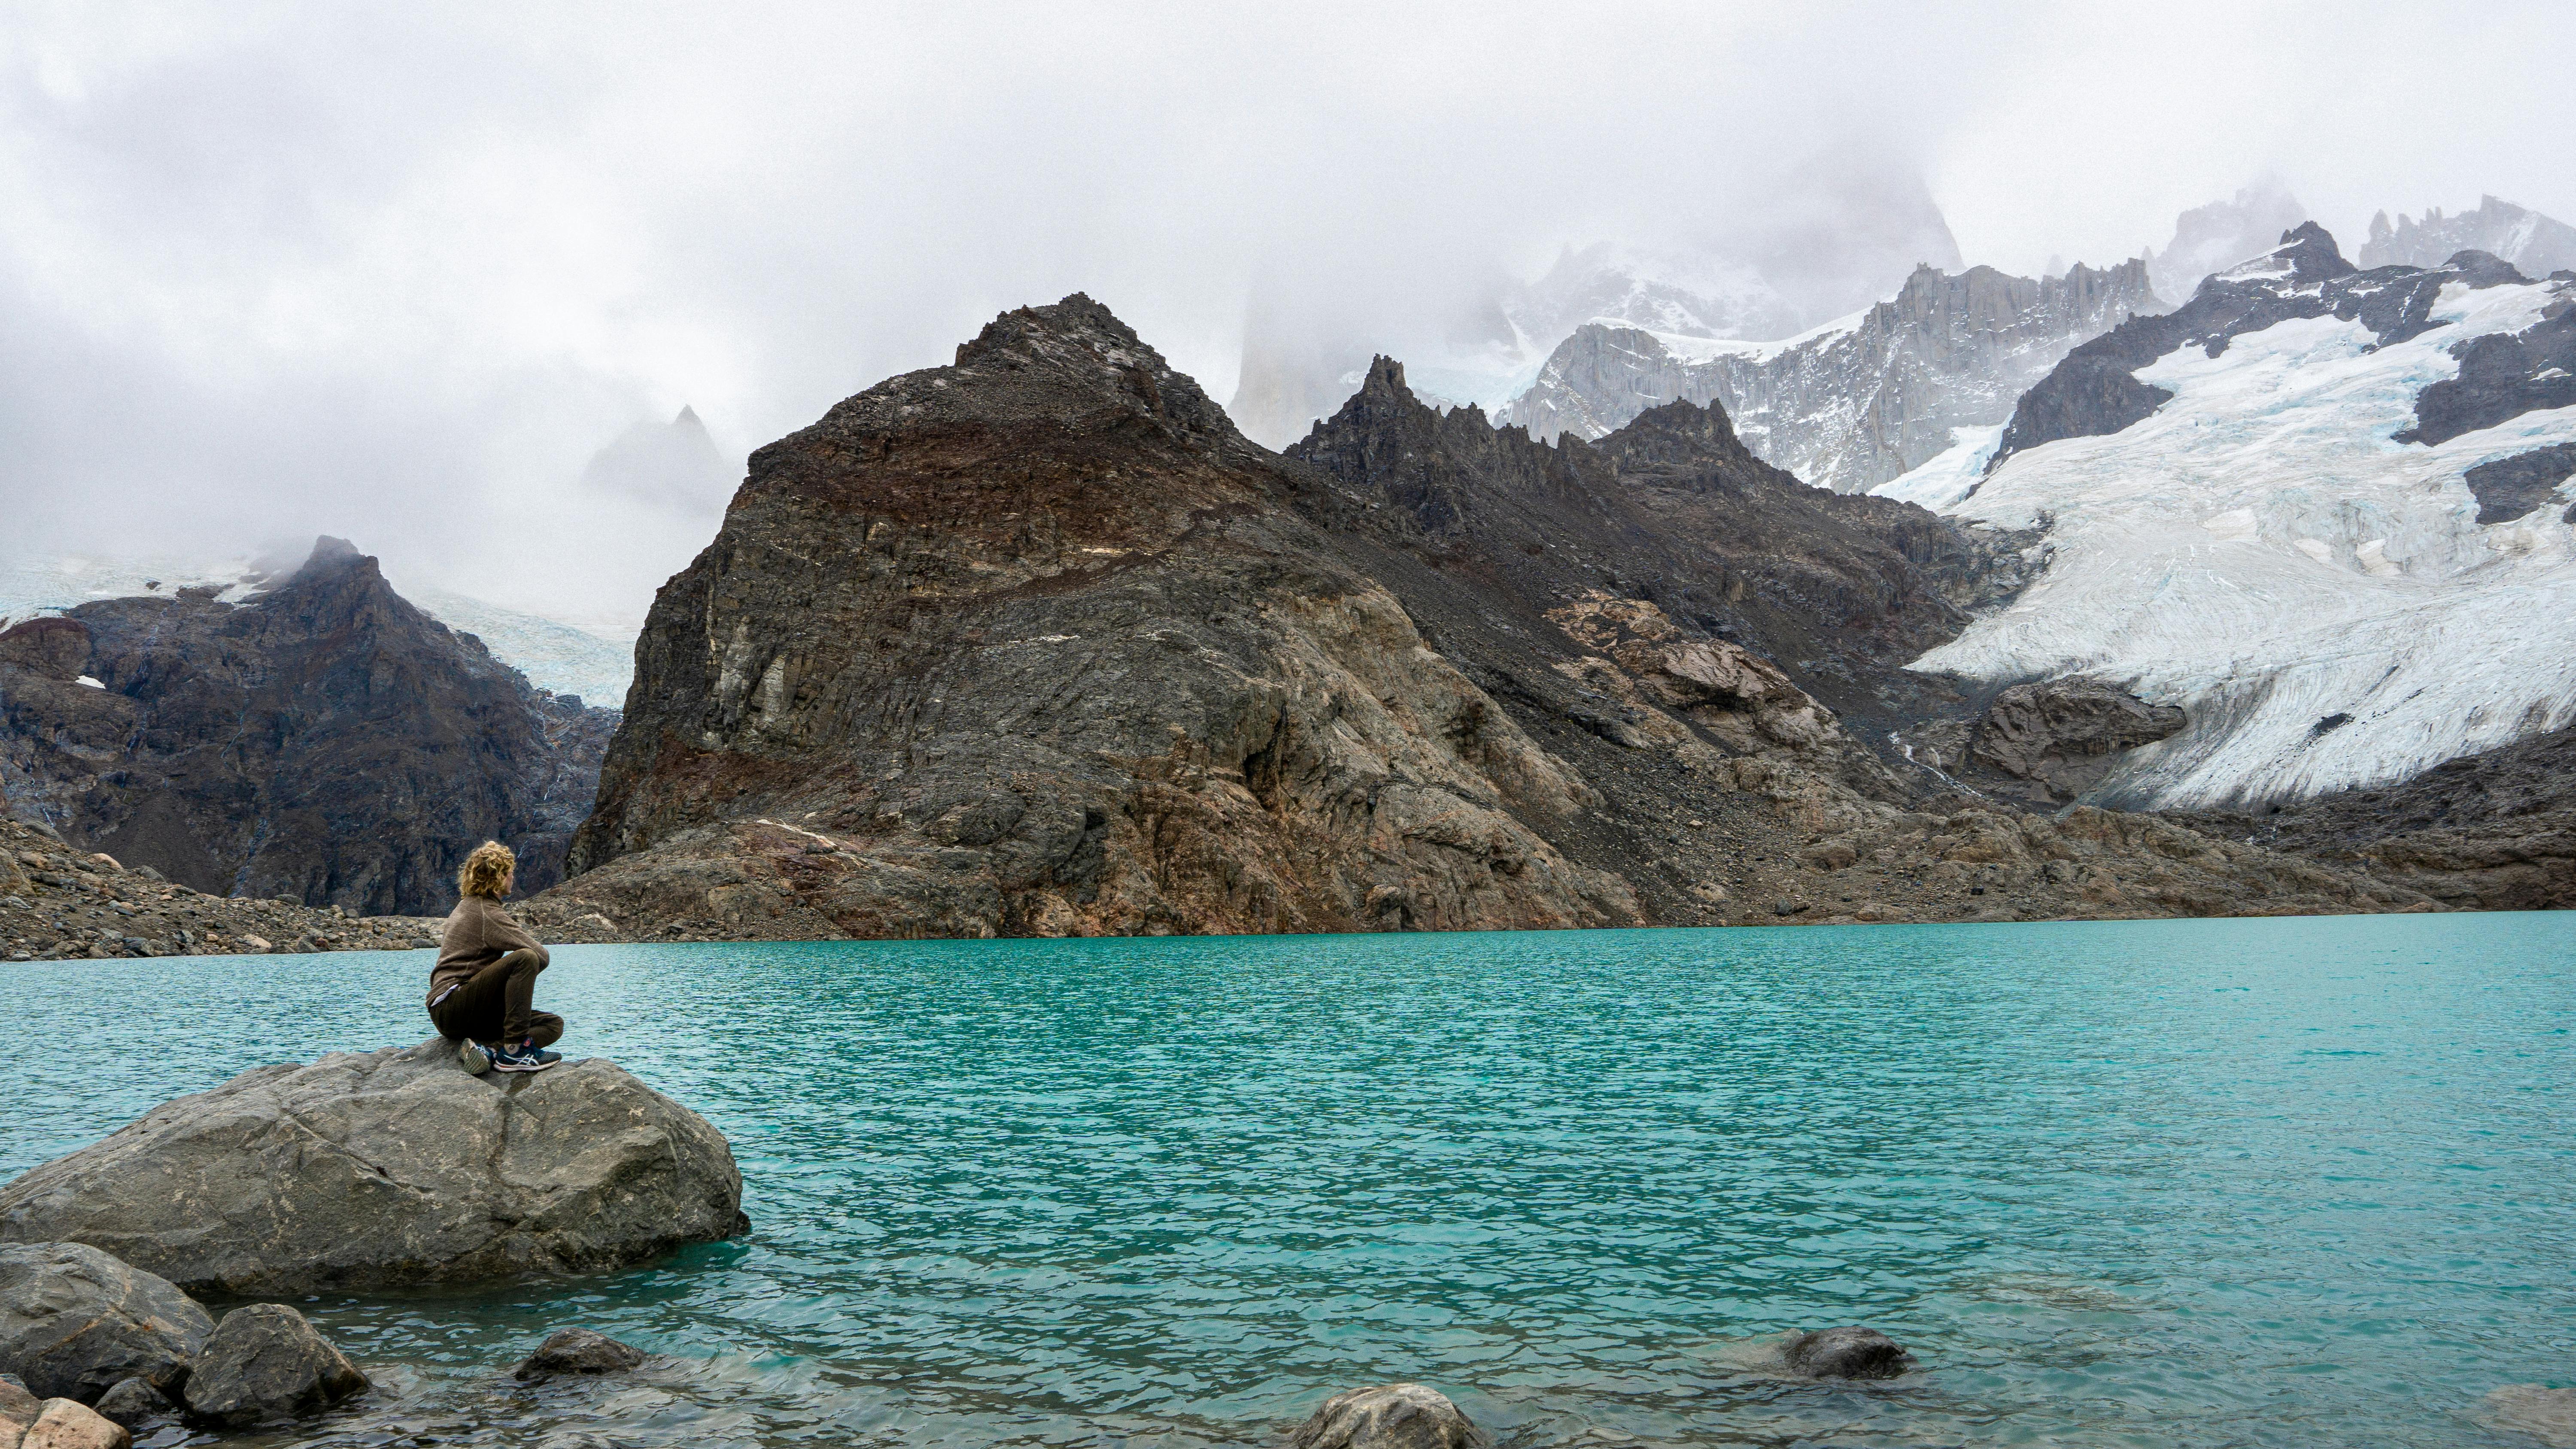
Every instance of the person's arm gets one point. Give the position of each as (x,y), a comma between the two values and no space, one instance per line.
(502,931)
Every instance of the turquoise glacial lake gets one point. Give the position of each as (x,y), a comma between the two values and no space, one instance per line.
(2281,1182)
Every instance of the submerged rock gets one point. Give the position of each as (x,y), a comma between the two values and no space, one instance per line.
(393,1167)
(1847,1353)
(1389,1416)
(74,1321)
(578,1351)
(2544,1413)
(135,1403)
(265,1361)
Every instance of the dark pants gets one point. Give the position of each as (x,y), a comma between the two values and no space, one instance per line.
(497,1004)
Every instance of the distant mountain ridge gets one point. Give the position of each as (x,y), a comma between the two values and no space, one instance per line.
(1858,403)
(2532,243)
(1843,236)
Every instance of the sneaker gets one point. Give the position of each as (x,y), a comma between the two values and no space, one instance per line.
(474,1056)
(535,1059)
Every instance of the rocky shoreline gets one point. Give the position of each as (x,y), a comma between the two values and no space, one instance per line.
(58,902)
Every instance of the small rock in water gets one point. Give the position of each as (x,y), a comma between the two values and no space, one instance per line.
(265,1360)
(135,1403)
(1389,1416)
(2544,1413)
(1847,1353)
(74,1321)
(579,1351)
(68,1424)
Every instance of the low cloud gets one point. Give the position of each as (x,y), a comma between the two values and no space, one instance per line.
(400,273)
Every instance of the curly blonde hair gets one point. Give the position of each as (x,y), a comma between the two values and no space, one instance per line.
(486,869)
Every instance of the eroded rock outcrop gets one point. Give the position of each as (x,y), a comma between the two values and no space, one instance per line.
(2059,737)
(324,742)
(392,1167)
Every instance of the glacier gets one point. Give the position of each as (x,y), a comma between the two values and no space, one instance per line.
(2318,598)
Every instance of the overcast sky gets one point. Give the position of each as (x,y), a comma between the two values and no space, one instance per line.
(396,272)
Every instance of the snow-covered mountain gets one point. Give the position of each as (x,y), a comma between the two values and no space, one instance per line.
(2536,245)
(555,656)
(2215,237)
(1861,400)
(2322,510)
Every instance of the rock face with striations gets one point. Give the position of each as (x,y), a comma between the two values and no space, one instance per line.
(325,742)
(1037,644)
(390,1168)
(1859,404)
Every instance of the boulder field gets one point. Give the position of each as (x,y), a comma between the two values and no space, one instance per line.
(389,1168)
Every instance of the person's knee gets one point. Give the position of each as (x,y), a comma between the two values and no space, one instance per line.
(526,961)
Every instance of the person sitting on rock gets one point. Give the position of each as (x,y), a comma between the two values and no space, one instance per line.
(482,992)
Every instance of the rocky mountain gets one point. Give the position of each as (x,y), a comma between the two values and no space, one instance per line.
(553,655)
(321,741)
(1037,643)
(1857,403)
(2215,237)
(2532,244)
(2318,509)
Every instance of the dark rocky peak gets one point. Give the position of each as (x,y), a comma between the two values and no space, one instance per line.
(332,555)
(2484,269)
(2311,253)
(1072,363)
(1678,441)
(1421,470)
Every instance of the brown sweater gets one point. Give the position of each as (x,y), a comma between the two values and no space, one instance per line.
(478,933)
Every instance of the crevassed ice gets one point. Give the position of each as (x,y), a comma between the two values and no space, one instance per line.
(1946,477)
(2260,553)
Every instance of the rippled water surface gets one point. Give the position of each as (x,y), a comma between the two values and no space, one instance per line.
(2175,1183)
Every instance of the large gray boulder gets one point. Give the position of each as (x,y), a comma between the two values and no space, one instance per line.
(1388,1416)
(264,1362)
(389,1168)
(74,1321)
